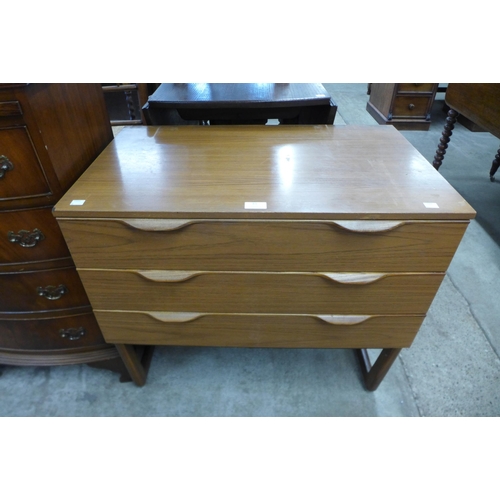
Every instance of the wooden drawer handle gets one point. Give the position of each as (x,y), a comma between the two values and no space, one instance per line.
(334,319)
(180,276)
(181,317)
(368,226)
(25,238)
(353,278)
(5,166)
(357,226)
(52,292)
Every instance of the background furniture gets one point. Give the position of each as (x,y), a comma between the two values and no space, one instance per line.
(125,101)
(407,106)
(478,102)
(239,103)
(299,246)
(49,134)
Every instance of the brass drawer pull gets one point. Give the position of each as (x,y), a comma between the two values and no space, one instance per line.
(72,333)
(52,292)
(5,166)
(25,238)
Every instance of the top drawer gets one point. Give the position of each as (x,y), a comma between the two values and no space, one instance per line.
(263,245)
(21,173)
(416,87)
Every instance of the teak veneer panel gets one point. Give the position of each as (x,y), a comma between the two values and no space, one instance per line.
(258,330)
(313,293)
(309,172)
(263,245)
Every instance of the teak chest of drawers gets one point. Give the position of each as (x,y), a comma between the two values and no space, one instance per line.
(259,236)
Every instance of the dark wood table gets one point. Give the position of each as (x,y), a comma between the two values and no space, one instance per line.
(480,103)
(239,103)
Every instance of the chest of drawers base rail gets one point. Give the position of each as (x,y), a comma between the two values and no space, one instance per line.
(273,237)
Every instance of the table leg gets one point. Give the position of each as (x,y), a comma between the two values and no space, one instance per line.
(373,375)
(494,166)
(445,138)
(137,366)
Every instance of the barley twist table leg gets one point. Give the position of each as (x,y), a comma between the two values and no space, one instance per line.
(494,166)
(445,138)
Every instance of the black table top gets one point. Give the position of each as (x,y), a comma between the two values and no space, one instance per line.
(186,95)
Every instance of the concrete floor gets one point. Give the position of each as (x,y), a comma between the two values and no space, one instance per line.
(452,369)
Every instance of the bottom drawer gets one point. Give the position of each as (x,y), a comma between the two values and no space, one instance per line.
(50,332)
(258,330)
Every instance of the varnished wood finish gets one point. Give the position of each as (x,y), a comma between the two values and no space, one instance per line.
(49,134)
(24,295)
(52,247)
(302,172)
(313,293)
(263,245)
(45,331)
(258,330)
(407,106)
(354,237)
(240,103)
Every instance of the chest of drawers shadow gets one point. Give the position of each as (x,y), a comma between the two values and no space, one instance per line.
(255,236)
(49,134)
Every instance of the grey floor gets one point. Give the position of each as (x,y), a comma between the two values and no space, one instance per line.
(452,368)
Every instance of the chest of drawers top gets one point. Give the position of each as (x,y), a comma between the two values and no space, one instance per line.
(296,172)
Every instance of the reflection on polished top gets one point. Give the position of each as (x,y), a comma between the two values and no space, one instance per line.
(298,171)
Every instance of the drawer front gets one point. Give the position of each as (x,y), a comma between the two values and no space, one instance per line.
(413,106)
(254,330)
(416,87)
(30,236)
(21,173)
(41,291)
(66,332)
(306,246)
(226,292)
(10,108)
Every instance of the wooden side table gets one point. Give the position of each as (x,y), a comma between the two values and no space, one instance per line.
(279,237)
(478,102)
(239,104)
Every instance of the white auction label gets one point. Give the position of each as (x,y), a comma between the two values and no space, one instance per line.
(260,205)
(431,205)
(77,202)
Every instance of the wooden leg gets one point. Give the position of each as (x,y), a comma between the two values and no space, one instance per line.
(137,366)
(494,166)
(445,138)
(373,375)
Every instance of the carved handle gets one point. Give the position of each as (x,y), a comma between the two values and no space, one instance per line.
(5,165)
(52,292)
(411,106)
(25,238)
(72,333)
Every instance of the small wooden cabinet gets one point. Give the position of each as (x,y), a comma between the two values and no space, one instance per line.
(297,237)
(407,106)
(49,134)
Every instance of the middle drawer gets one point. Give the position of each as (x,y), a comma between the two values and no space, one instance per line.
(254,292)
